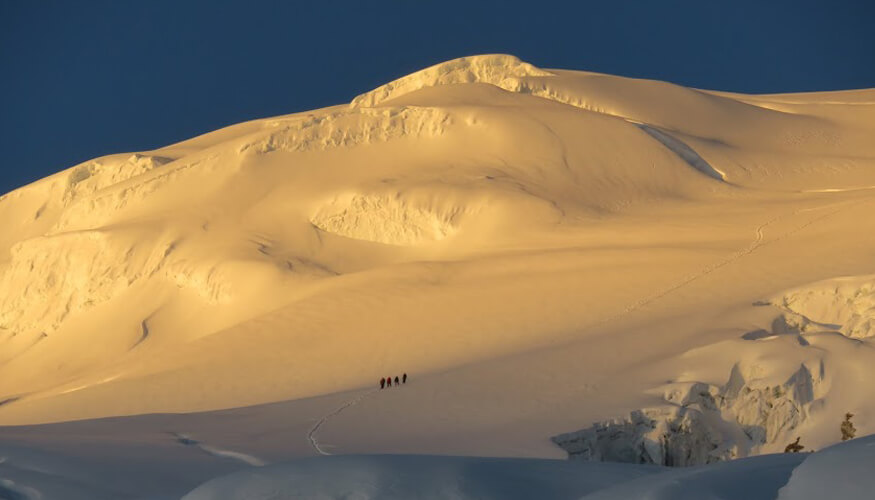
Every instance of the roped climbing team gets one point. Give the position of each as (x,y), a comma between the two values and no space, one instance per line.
(387,381)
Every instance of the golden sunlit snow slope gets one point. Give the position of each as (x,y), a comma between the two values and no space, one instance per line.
(481,216)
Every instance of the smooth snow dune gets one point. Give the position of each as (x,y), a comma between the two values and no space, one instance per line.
(838,472)
(388,477)
(757,478)
(542,250)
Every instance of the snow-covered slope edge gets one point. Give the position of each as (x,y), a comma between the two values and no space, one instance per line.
(419,476)
(842,471)
(838,472)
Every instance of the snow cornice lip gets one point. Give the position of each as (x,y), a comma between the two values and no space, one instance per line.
(487,68)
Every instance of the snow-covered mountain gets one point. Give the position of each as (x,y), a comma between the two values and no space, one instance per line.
(566,263)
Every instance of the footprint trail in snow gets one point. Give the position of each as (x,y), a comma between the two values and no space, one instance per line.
(311,436)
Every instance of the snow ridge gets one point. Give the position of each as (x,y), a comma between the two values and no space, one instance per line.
(497,69)
(349,128)
(90,177)
(686,153)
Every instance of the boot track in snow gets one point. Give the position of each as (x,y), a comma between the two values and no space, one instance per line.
(311,436)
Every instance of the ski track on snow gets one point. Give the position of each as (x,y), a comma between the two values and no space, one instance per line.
(757,242)
(311,436)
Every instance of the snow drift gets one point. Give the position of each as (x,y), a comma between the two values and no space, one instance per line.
(836,472)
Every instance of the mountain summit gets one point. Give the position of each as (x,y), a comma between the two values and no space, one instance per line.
(548,252)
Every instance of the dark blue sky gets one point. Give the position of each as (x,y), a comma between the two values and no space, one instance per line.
(87,78)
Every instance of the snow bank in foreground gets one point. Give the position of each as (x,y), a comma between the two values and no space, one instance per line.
(840,472)
(421,477)
(755,478)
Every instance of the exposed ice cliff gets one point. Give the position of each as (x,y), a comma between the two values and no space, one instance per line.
(385,219)
(700,423)
(844,305)
(348,128)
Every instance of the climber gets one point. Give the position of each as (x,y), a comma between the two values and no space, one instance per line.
(389,381)
(847,427)
(397,383)
(404,379)
(794,447)
(382,383)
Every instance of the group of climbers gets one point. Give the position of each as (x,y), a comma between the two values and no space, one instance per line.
(387,381)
